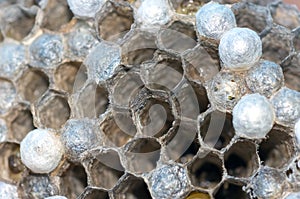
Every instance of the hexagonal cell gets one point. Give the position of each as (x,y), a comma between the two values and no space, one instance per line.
(190,152)
(7,95)
(11,165)
(125,87)
(182,142)
(198,195)
(187,6)
(241,159)
(291,71)
(153,111)
(178,37)
(216,129)
(33,84)
(231,190)
(278,149)
(94,193)
(114,20)
(255,17)
(206,172)
(18,22)
(91,101)
(73,181)
(103,168)
(138,47)
(21,122)
(192,100)
(57,14)
(286,15)
(118,128)
(70,76)
(277,44)
(142,154)
(37,186)
(3,130)
(164,74)
(199,65)
(296,39)
(132,187)
(53,110)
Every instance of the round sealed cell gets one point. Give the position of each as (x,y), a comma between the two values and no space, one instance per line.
(225,90)
(293,196)
(213,20)
(78,136)
(265,78)
(297,130)
(286,103)
(41,151)
(268,183)
(56,197)
(8,191)
(153,13)
(8,95)
(103,61)
(240,49)
(46,51)
(81,42)
(169,181)
(253,116)
(85,8)
(13,58)
(3,130)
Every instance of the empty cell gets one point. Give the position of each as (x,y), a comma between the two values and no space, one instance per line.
(103,168)
(10,159)
(206,172)
(125,87)
(216,129)
(278,149)
(21,122)
(232,191)
(53,110)
(277,44)
(73,181)
(138,47)
(199,65)
(32,84)
(70,76)
(3,130)
(241,159)
(286,15)
(190,152)
(58,14)
(132,187)
(17,22)
(291,71)
(94,193)
(255,17)
(114,20)
(177,38)
(91,101)
(142,154)
(153,112)
(164,74)
(118,128)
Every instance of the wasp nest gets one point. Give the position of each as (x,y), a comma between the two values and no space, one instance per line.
(142,99)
